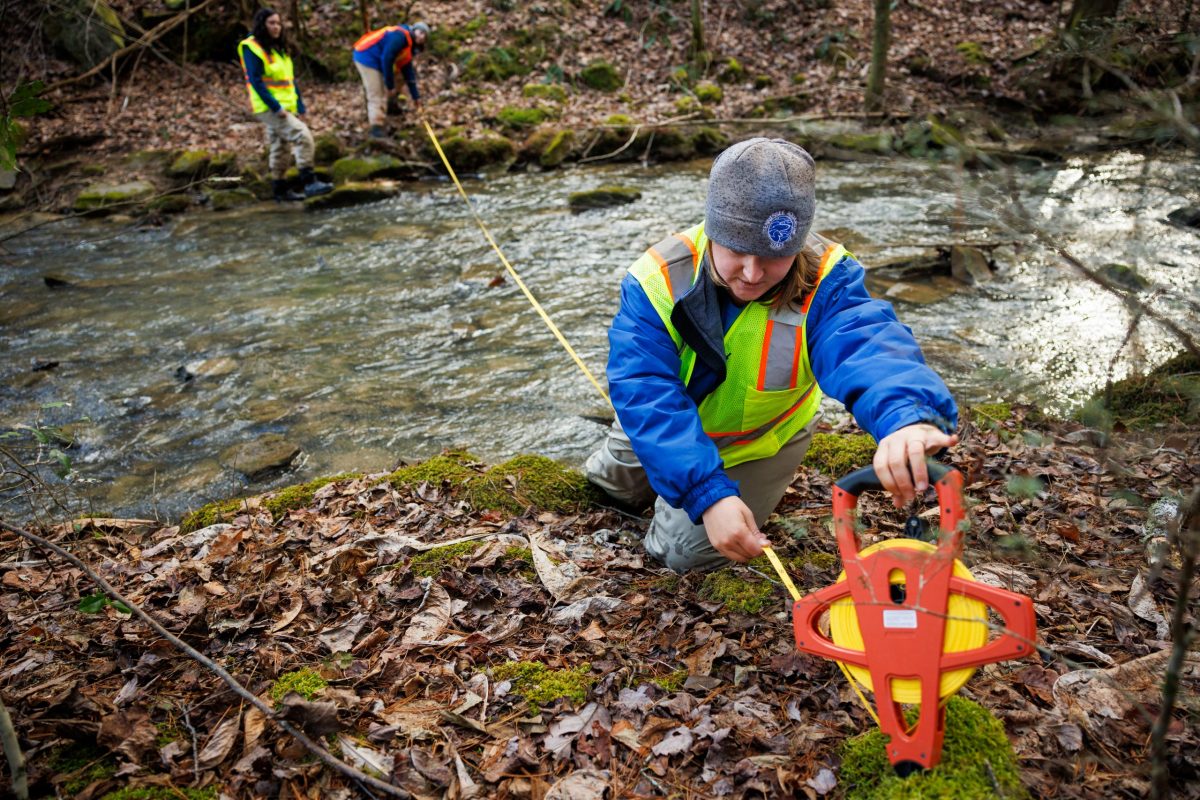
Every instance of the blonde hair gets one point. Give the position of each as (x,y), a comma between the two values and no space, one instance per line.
(798,282)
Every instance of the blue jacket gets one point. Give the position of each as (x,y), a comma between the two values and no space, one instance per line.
(861,355)
(254,71)
(382,55)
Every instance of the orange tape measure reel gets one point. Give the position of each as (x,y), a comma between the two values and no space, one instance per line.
(908,621)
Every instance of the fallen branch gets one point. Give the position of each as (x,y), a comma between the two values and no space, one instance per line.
(149,36)
(12,751)
(323,755)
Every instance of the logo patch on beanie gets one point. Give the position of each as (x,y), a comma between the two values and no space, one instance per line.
(780,227)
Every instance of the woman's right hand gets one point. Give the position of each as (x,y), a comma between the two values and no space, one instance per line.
(731,529)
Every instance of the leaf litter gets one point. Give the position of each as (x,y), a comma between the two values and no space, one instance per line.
(405,665)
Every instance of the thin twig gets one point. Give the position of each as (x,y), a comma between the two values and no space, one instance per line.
(321,753)
(187,720)
(12,751)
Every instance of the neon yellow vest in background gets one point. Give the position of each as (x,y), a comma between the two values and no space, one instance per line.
(769,393)
(277,75)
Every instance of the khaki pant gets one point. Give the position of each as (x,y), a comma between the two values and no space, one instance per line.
(673,539)
(283,131)
(376,93)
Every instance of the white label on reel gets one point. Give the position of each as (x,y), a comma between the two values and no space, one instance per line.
(900,618)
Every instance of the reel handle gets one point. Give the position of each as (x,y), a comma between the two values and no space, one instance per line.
(946,480)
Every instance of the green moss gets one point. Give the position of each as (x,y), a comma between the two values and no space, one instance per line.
(498,64)
(737,593)
(171,204)
(89,761)
(328,148)
(557,148)
(520,555)
(709,141)
(445,40)
(972,52)
(709,93)
(990,415)
(977,761)
(531,480)
(448,469)
(104,197)
(223,164)
(763,81)
(540,685)
(471,155)
(687,104)
(300,495)
(602,197)
(211,514)
(1167,393)
(162,793)
(601,76)
(823,561)
(545,91)
(838,455)
(354,169)
(431,563)
(304,682)
(872,142)
(190,164)
(619,119)
(519,118)
(225,199)
(672,682)
(732,71)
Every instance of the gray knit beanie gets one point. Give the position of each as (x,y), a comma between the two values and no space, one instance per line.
(421,26)
(761,198)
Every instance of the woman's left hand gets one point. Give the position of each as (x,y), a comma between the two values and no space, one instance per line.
(900,459)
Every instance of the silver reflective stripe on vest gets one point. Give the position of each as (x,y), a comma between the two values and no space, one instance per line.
(779,371)
(722,440)
(681,266)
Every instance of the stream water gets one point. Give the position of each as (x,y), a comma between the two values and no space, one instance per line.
(372,334)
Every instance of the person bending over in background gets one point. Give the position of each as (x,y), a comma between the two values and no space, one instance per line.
(276,102)
(726,336)
(377,55)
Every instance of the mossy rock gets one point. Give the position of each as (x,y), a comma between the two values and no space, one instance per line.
(498,64)
(836,455)
(763,81)
(87,31)
(601,76)
(226,199)
(189,165)
(473,154)
(171,204)
(732,71)
(1168,393)
(452,469)
(431,563)
(211,514)
(1124,275)
(603,197)
(301,495)
(292,176)
(518,118)
(737,593)
(541,685)
(783,105)
(352,194)
(557,148)
(355,169)
(977,761)
(545,91)
(671,144)
(866,142)
(105,198)
(972,52)
(328,148)
(156,792)
(708,141)
(709,93)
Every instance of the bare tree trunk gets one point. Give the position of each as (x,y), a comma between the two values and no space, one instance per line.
(880,43)
(697,29)
(365,11)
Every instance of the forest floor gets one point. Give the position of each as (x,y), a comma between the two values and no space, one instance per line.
(401,657)
(770,58)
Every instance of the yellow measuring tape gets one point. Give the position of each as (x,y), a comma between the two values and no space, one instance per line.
(517,278)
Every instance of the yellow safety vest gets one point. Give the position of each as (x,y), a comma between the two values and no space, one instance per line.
(277,75)
(769,393)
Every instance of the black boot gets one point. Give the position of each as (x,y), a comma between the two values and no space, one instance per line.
(313,185)
(284,193)
(377,132)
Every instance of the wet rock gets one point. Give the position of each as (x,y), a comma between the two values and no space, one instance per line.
(8,179)
(601,76)
(57,282)
(87,31)
(352,194)
(969,265)
(709,141)
(208,368)
(102,198)
(171,204)
(260,457)
(603,197)
(1186,217)
(189,165)
(328,148)
(1124,275)
(919,294)
(353,169)
(473,154)
(225,199)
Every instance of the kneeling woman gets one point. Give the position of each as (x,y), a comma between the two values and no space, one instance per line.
(276,102)
(726,337)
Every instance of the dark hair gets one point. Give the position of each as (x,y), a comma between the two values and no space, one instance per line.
(258,29)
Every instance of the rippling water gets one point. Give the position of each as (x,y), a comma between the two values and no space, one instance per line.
(373,334)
